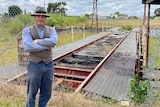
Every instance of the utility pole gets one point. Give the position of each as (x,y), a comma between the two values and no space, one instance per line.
(94,15)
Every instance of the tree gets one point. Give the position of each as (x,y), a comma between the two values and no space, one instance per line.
(14,10)
(152,17)
(87,15)
(118,13)
(157,12)
(6,15)
(57,7)
(133,17)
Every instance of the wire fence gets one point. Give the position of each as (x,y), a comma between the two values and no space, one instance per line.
(13,59)
(152,72)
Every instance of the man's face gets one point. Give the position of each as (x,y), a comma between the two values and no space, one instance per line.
(40,20)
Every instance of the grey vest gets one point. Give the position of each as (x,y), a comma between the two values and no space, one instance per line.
(44,55)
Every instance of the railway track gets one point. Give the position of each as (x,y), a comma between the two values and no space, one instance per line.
(74,69)
(77,67)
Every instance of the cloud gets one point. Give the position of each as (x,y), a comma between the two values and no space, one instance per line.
(77,7)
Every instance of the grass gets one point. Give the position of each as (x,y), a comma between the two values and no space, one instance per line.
(15,96)
(11,55)
(153,43)
(157,99)
(65,38)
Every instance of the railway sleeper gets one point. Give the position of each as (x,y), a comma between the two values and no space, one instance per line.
(70,76)
(86,57)
(82,61)
(91,67)
(72,71)
(67,85)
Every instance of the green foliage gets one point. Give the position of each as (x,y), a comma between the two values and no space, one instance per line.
(87,16)
(51,22)
(138,90)
(118,13)
(82,19)
(153,43)
(57,7)
(127,28)
(17,102)
(6,15)
(152,17)
(16,26)
(2,38)
(108,101)
(27,20)
(133,17)
(157,12)
(14,10)
(62,21)
(18,23)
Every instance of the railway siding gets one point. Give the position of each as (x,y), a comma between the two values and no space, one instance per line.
(112,80)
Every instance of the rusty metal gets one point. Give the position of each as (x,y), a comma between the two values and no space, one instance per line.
(150,2)
(112,79)
(94,15)
(73,84)
(148,31)
(19,79)
(57,82)
(75,50)
(99,66)
(137,70)
(72,71)
(80,74)
(144,15)
(73,77)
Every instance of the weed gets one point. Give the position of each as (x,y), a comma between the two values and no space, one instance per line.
(138,90)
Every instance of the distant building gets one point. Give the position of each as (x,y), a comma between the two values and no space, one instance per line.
(114,16)
(102,17)
(122,17)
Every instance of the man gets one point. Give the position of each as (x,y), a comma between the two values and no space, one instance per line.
(38,41)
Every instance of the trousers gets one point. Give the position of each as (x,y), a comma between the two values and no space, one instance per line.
(39,79)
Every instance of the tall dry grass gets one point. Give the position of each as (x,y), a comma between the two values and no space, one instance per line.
(15,96)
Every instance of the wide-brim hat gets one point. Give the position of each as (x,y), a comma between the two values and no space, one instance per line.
(40,11)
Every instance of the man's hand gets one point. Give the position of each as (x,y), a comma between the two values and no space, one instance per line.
(35,41)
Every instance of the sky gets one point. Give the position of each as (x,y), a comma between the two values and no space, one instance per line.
(82,7)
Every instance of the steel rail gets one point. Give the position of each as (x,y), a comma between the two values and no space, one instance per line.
(75,71)
(72,71)
(99,65)
(76,50)
(74,77)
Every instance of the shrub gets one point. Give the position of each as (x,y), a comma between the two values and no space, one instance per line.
(61,21)
(26,19)
(16,26)
(127,28)
(138,90)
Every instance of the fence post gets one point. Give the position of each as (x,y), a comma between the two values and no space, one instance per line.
(83,29)
(102,27)
(72,33)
